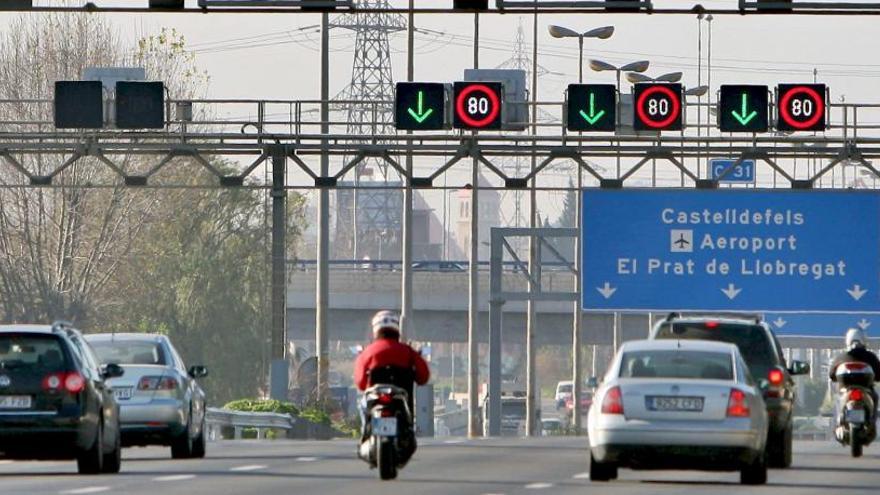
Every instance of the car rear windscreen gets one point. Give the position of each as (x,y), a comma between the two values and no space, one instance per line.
(26,352)
(677,364)
(565,389)
(129,352)
(752,340)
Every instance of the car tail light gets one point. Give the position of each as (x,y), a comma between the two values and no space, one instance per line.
(384,399)
(775,377)
(737,407)
(72,382)
(613,402)
(856,395)
(157,383)
(712,324)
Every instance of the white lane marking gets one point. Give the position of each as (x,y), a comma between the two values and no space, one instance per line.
(5,462)
(306,459)
(90,489)
(249,467)
(538,486)
(453,442)
(582,476)
(175,477)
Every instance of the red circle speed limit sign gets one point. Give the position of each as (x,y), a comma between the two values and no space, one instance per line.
(801,107)
(478,105)
(657,107)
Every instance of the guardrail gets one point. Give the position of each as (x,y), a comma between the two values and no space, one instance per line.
(219,418)
(812,428)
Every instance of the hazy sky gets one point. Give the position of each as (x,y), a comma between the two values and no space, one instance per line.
(275,55)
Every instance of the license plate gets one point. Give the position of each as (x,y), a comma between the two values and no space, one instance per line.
(689,404)
(855,415)
(122,393)
(385,427)
(15,402)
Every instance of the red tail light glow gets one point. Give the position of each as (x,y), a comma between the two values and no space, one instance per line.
(712,324)
(613,402)
(856,395)
(775,377)
(384,399)
(72,382)
(737,407)
(157,383)
(855,366)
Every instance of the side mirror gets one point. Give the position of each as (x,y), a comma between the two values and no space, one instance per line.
(799,368)
(112,370)
(593,382)
(198,372)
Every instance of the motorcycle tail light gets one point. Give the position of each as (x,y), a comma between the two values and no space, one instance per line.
(387,413)
(856,395)
(613,402)
(855,366)
(384,399)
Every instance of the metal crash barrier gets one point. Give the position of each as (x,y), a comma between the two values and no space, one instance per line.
(217,419)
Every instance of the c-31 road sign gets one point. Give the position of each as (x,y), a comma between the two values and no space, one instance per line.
(731,250)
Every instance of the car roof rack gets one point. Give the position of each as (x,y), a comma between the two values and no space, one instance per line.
(61,325)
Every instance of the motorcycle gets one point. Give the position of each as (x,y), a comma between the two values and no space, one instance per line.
(857,410)
(388,440)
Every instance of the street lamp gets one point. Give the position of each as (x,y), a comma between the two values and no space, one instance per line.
(603,33)
(639,66)
(671,77)
(697,91)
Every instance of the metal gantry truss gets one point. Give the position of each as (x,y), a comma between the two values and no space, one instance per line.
(114,149)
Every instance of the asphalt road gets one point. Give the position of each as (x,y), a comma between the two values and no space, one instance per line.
(441,467)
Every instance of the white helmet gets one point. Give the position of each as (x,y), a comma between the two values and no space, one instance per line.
(385,320)
(855,337)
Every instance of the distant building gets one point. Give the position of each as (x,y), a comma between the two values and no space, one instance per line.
(489,216)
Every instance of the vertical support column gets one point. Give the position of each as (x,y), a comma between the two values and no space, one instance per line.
(407,255)
(531,389)
(496,305)
(278,376)
(577,374)
(323,288)
(473,280)
(814,364)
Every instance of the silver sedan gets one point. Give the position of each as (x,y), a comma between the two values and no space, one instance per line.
(160,401)
(669,404)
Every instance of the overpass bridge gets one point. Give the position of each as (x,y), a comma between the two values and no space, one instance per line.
(359,289)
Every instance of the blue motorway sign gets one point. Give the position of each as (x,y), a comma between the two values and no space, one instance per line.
(743,173)
(731,250)
(821,324)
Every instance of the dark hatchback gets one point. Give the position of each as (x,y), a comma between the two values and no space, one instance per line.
(763,354)
(54,403)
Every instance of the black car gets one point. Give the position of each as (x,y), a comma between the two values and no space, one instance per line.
(54,403)
(763,354)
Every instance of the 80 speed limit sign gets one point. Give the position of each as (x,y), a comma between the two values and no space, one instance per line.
(478,105)
(801,107)
(657,107)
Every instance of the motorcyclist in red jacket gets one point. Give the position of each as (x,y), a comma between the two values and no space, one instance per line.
(388,350)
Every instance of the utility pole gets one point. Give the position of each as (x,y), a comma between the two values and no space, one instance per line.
(323,289)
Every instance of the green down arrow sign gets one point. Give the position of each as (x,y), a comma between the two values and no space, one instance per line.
(592,117)
(421,114)
(744,117)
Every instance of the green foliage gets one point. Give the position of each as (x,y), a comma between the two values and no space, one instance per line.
(262,406)
(315,415)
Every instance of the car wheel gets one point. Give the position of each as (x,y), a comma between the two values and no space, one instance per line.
(91,460)
(779,448)
(182,446)
(754,473)
(113,459)
(198,445)
(601,471)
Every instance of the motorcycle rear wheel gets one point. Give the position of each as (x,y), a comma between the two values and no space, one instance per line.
(855,441)
(385,458)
